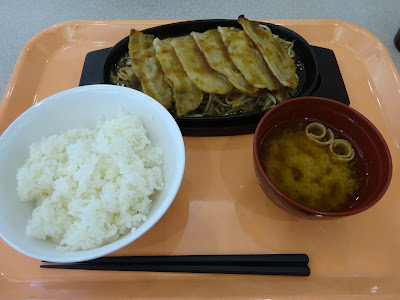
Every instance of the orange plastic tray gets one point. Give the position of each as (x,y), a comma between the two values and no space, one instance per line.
(220,209)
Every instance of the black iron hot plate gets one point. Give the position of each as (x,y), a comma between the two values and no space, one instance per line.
(320,75)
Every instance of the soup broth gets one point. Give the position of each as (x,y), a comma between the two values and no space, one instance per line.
(306,172)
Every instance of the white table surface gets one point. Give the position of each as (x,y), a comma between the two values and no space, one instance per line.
(21,20)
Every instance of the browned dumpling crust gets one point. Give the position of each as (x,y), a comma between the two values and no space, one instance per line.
(248,59)
(186,95)
(196,67)
(147,68)
(212,45)
(221,71)
(281,65)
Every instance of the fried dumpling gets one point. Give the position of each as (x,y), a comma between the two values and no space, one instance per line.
(248,59)
(211,44)
(196,67)
(147,68)
(278,60)
(186,95)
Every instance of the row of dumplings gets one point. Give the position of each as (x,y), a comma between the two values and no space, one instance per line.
(181,70)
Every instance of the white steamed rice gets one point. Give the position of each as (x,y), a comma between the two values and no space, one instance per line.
(91,185)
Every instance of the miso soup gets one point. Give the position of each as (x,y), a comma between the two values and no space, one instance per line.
(308,173)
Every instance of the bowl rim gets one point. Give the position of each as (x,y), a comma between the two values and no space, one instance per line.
(305,209)
(125,240)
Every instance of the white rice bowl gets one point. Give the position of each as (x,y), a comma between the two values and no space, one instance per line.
(87,192)
(91,185)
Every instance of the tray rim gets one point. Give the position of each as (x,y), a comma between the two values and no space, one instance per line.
(18,66)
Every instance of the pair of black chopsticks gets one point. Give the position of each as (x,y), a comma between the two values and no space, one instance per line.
(259,264)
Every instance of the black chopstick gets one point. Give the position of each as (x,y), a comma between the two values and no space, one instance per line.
(220,269)
(244,259)
(260,264)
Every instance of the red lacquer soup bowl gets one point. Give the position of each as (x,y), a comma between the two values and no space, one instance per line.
(346,123)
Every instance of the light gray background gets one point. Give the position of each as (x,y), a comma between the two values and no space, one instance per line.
(21,20)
